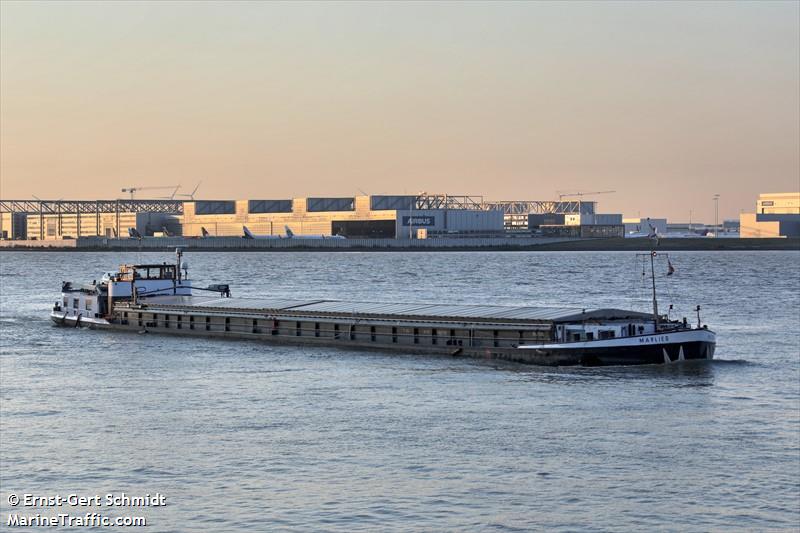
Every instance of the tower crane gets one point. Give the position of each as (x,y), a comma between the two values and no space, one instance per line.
(132,190)
(562,195)
(191,194)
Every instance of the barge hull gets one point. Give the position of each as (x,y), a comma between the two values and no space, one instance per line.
(550,356)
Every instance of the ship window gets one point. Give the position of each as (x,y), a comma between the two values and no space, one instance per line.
(316,329)
(589,335)
(75,303)
(394,334)
(606,334)
(372,333)
(433,336)
(416,335)
(66,302)
(576,336)
(88,305)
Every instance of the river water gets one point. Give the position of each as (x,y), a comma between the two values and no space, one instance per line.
(241,435)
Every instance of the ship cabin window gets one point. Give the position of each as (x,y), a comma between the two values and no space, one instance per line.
(75,303)
(607,334)
(394,334)
(88,305)
(589,335)
(576,337)
(66,302)
(372,336)
(416,335)
(433,336)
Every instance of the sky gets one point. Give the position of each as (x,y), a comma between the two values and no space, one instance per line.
(666,103)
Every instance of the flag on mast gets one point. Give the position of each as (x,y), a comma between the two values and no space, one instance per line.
(670,268)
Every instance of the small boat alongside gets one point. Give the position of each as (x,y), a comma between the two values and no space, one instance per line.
(159,298)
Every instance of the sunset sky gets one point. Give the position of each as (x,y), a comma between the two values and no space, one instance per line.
(666,103)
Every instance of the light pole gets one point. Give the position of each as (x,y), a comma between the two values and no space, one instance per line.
(411,206)
(716,215)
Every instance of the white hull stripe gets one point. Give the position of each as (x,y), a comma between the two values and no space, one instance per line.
(679,337)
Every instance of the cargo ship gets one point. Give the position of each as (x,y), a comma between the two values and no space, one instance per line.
(160,298)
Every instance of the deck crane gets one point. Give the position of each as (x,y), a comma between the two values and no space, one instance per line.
(562,195)
(132,190)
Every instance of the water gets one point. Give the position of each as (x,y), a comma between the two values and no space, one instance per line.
(241,435)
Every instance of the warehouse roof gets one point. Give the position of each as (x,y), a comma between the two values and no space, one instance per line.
(438,311)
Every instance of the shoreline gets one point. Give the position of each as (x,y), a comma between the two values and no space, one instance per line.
(577,245)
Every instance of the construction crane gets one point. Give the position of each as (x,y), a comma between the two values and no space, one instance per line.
(132,190)
(191,194)
(562,195)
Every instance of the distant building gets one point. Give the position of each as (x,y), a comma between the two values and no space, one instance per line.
(382,216)
(586,231)
(777,215)
(355,217)
(642,225)
(584,225)
(730,226)
(782,203)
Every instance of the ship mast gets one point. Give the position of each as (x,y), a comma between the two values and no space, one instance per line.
(653,255)
(653,277)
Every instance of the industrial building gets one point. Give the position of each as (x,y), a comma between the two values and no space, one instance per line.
(583,225)
(640,225)
(376,216)
(69,219)
(353,217)
(777,215)
(356,217)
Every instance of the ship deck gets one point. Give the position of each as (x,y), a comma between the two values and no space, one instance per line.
(405,311)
